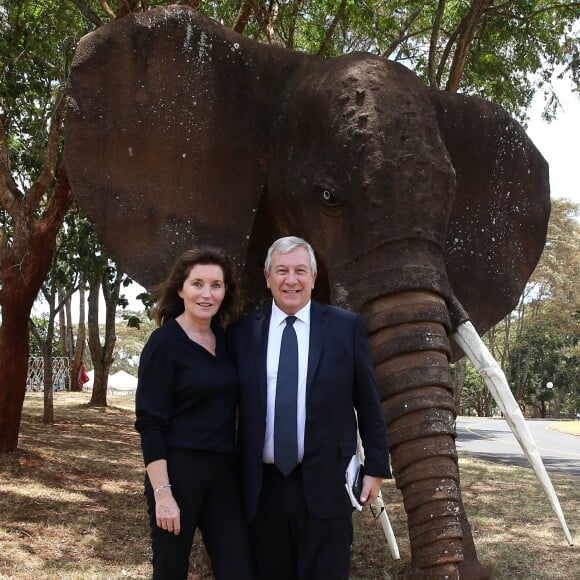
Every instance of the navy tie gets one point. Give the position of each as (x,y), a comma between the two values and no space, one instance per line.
(285,414)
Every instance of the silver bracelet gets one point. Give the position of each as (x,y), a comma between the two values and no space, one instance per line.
(161,487)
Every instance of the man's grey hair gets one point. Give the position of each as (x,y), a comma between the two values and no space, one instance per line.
(286,245)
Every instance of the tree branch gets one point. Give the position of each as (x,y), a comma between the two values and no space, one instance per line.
(265,17)
(58,203)
(107,9)
(326,42)
(46,177)
(6,254)
(35,332)
(243,16)
(403,35)
(445,56)
(292,27)
(469,26)
(125,7)
(63,299)
(433,45)
(9,192)
(499,9)
(88,12)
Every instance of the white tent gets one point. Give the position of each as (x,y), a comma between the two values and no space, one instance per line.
(121,383)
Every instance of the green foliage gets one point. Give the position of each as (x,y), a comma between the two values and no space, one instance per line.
(130,342)
(475,396)
(135,320)
(542,355)
(41,324)
(37,43)
(545,346)
(516,49)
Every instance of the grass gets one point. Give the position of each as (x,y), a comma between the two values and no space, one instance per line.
(71,507)
(570,427)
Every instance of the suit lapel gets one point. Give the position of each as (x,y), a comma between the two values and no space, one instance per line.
(261,330)
(318,325)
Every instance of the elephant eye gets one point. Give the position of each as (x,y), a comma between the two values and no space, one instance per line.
(327,196)
(331,203)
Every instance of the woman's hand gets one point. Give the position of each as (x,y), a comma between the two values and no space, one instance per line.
(167,511)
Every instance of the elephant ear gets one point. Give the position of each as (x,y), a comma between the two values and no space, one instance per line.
(500,214)
(168,115)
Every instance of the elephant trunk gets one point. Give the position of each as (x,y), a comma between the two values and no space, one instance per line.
(408,335)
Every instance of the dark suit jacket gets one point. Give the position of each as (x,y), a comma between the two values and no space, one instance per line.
(340,379)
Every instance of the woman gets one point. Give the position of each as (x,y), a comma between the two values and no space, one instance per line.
(186,409)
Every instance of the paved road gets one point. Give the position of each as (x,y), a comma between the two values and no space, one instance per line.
(491,439)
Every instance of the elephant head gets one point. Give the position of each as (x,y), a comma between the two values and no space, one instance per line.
(426,208)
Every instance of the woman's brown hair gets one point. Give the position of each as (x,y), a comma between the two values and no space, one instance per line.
(170,305)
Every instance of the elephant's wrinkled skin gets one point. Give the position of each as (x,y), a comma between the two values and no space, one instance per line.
(425,208)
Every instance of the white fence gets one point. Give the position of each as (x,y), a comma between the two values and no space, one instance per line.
(60,374)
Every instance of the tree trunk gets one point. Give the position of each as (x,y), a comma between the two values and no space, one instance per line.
(14,351)
(48,413)
(79,346)
(25,258)
(469,26)
(46,344)
(99,395)
(408,339)
(243,16)
(556,407)
(102,355)
(62,326)
(330,32)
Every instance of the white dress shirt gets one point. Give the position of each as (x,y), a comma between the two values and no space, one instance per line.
(302,328)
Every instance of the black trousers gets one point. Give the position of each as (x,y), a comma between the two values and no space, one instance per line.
(287,543)
(207,491)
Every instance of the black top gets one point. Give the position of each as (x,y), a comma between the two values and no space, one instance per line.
(186,397)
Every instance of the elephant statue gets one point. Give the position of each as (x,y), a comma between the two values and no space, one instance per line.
(427,209)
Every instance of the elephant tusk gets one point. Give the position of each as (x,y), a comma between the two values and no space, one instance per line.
(470,342)
(383,518)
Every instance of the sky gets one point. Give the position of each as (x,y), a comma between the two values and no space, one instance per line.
(559,142)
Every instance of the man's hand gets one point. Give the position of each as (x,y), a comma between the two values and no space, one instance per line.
(370,489)
(167,512)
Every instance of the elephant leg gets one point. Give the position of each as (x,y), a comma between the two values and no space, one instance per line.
(408,338)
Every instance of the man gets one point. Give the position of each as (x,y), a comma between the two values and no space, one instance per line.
(295,449)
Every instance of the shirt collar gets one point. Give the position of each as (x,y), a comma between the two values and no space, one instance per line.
(279,315)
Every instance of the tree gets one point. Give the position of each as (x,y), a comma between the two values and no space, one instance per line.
(75,261)
(30,222)
(82,260)
(552,369)
(64,278)
(555,280)
(475,398)
(132,337)
(37,41)
(501,51)
(109,279)
(545,345)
